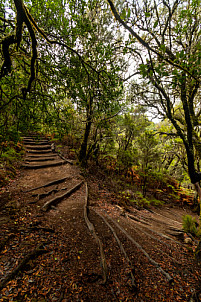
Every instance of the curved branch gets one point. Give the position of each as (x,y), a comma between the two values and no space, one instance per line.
(145,44)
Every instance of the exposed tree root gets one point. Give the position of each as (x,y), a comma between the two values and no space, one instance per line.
(151,236)
(34,201)
(142,217)
(67,160)
(57,199)
(163,216)
(32,255)
(54,182)
(176,230)
(164,236)
(92,231)
(137,219)
(134,286)
(158,221)
(158,240)
(159,234)
(169,278)
(43,195)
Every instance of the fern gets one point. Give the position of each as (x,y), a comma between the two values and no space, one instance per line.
(189,224)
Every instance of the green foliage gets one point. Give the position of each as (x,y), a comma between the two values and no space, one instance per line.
(189,224)
(126,158)
(145,202)
(78,90)
(156,202)
(169,71)
(10,154)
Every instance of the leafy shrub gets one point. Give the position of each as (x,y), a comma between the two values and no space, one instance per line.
(198,234)
(10,153)
(189,224)
(156,202)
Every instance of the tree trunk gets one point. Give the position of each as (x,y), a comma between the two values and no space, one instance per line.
(198,190)
(83,149)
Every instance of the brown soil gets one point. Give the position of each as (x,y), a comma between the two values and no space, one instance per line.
(69,268)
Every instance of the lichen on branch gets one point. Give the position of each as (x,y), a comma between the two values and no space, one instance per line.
(22,17)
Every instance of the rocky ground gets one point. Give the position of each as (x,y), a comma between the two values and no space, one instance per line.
(70,240)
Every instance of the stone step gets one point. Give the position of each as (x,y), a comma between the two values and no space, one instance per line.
(32,142)
(44,165)
(39,151)
(41,159)
(37,147)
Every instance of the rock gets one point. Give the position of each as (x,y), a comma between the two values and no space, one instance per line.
(188,240)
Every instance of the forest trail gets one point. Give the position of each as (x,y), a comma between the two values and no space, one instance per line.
(65,239)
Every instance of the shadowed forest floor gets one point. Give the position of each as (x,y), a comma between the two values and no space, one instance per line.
(59,244)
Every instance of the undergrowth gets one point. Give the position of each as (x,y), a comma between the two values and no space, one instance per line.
(190,225)
(10,154)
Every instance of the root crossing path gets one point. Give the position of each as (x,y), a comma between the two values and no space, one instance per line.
(63,238)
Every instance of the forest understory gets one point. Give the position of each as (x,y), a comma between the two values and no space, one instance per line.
(67,236)
(111,214)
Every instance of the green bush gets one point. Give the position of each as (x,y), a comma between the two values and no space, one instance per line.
(156,202)
(10,155)
(189,224)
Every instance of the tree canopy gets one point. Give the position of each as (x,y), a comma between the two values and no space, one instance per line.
(65,65)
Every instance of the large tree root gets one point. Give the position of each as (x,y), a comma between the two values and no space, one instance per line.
(142,218)
(92,231)
(150,235)
(169,278)
(163,216)
(57,199)
(158,240)
(32,255)
(157,233)
(43,195)
(137,219)
(176,233)
(164,236)
(67,160)
(134,286)
(54,182)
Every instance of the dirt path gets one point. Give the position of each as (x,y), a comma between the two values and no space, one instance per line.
(49,252)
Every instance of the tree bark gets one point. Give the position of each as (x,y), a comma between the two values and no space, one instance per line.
(83,149)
